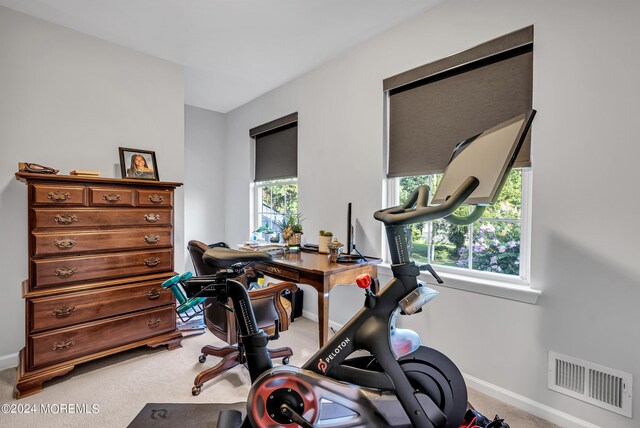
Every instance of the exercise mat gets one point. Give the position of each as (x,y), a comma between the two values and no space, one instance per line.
(183,415)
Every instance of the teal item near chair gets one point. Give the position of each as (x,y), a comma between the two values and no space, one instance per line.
(190,304)
(169,282)
(173,284)
(184,304)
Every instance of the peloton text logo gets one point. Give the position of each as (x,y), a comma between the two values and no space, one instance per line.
(322,364)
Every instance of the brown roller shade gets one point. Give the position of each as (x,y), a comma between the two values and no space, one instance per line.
(276,149)
(457,98)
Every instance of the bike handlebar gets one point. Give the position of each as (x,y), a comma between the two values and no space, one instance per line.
(416,209)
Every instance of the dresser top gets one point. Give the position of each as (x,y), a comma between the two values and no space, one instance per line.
(27,177)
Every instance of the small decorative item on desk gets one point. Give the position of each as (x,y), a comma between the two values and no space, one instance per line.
(335,249)
(324,240)
(292,239)
(291,227)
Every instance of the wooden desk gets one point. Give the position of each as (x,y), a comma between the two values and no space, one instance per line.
(316,270)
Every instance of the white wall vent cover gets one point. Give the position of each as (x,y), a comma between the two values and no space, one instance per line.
(595,384)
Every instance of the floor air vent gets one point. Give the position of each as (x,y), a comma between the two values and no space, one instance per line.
(598,385)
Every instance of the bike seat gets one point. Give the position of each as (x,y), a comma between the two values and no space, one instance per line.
(221,258)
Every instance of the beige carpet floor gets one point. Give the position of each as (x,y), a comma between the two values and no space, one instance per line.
(116,388)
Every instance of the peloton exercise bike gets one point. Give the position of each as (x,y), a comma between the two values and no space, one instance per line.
(400,383)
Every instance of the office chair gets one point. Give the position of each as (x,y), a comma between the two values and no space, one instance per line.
(267,303)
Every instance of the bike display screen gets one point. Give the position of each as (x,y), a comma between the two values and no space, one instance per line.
(488,157)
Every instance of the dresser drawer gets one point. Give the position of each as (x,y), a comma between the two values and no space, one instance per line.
(69,242)
(47,313)
(94,217)
(153,198)
(118,197)
(72,342)
(58,195)
(69,270)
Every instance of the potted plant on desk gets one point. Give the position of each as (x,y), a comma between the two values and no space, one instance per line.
(266,232)
(323,241)
(291,226)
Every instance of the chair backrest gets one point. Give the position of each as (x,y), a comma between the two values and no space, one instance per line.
(196,250)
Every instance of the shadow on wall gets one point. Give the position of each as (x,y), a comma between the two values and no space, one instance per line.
(14,248)
(188,265)
(363,242)
(590,306)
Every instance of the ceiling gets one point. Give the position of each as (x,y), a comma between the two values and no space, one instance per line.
(232,50)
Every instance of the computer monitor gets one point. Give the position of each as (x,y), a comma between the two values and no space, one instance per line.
(349,247)
(489,157)
(347,256)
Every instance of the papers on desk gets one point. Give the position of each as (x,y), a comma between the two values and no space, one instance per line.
(269,247)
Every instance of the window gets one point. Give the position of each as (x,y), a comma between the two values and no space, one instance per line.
(496,243)
(429,110)
(273,199)
(276,171)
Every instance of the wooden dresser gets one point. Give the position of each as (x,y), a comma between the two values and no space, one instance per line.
(99,248)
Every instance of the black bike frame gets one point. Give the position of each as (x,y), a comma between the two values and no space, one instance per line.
(366,330)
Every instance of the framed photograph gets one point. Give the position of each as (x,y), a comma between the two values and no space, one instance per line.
(138,164)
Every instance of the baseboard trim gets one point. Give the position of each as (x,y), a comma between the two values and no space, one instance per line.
(523,403)
(9,361)
(314,317)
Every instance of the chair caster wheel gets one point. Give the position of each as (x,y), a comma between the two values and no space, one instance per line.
(285,360)
(196,390)
(202,358)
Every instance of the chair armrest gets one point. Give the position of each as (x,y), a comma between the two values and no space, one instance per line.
(274,291)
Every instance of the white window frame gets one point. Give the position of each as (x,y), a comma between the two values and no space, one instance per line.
(495,284)
(257,200)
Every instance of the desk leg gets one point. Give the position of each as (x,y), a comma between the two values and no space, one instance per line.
(375,287)
(323,317)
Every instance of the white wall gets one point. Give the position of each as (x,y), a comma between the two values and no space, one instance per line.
(204,176)
(69,101)
(584,152)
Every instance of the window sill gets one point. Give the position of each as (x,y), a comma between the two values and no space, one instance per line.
(518,291)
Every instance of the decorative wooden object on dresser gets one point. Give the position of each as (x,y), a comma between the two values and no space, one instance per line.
(99,248)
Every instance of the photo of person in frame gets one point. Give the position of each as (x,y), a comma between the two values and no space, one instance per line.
(138,164)
(139,168)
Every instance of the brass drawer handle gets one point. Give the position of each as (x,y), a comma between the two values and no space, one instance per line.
(64,311)
(153,322)
(63,344)
(156,199)
(59,196)
(65,218)
(112,197)
(151,239)
(64,243)
(65,272)
(152,261)
(273,269)
(152,218)
(153,294)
